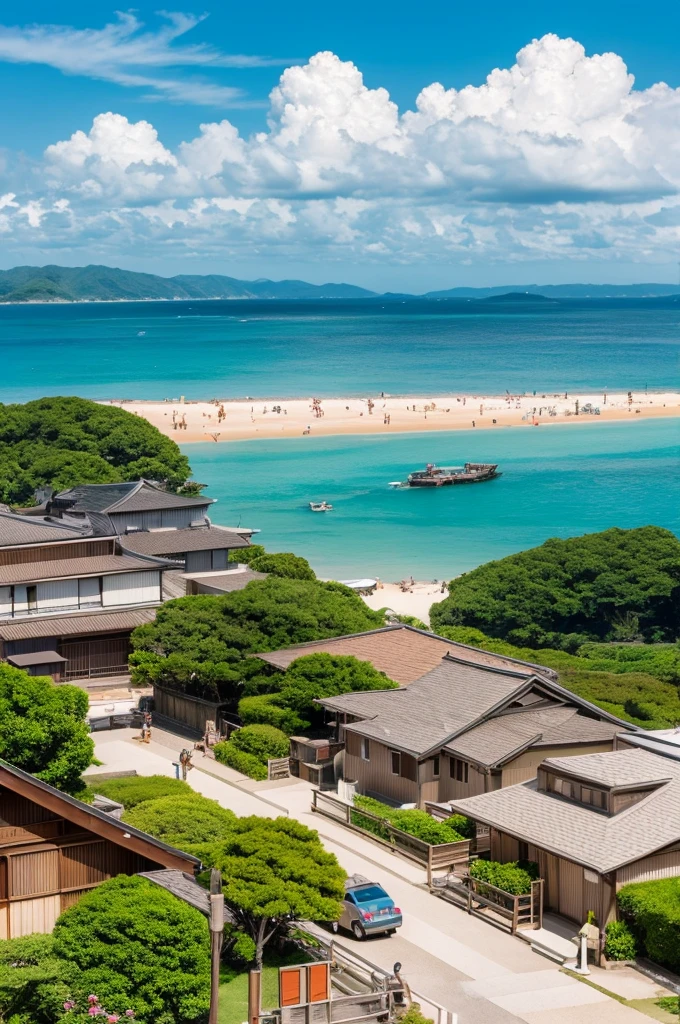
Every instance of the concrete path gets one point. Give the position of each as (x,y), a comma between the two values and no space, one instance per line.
(479,972)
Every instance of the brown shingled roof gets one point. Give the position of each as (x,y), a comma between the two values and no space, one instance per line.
(61,568)
(76,625)
(176,542)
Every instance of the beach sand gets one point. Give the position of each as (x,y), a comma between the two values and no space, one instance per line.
(417,600)
(256,418)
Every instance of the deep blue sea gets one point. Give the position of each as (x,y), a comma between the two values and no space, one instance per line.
(558,480)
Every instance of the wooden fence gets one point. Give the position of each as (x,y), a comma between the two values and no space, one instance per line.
(488,900)
(278,768)
(189,713)
(442,857)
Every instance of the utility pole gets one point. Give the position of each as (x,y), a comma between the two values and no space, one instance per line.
(216,939)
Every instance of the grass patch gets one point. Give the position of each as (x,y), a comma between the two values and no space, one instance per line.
(233,1008)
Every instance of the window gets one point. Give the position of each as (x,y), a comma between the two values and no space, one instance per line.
(365,749)
(32,598)
(396,762)
(435,767)
(458,769)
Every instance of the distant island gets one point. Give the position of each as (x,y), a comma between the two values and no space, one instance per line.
(111,284)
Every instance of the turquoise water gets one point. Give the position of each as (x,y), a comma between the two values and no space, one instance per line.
(275,349)
(559,480)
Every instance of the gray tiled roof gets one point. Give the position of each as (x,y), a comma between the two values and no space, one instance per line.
(629,768)
(495,740)
(16,530)
(227,582)
(58,568)
(582,834)
(171,542)
(132,496)
(78,624)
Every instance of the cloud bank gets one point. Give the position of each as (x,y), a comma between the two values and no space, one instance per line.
(555,157)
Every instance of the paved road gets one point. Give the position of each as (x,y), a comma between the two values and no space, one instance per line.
(478,972)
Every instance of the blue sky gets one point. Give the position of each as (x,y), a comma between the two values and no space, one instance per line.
(390,160)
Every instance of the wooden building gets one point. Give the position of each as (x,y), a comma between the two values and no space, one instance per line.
(463,728)
(53,848)
(592,823)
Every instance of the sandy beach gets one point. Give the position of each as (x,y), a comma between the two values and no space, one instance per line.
(251,419)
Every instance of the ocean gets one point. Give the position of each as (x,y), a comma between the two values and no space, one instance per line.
(558,480)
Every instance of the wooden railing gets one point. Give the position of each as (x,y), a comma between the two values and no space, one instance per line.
(515,910)
(442,857)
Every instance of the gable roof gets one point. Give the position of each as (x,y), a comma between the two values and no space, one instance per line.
(16,530)
(94,820)
(402,652)
(63,568)
(583,834)
(132,496)
(171,542)
(76,624)
(451,700)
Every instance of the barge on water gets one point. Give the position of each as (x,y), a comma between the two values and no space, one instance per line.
(443,476)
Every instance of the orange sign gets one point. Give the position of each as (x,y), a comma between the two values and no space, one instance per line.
(303,984)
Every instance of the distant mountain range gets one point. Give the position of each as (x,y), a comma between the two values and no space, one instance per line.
(110,284)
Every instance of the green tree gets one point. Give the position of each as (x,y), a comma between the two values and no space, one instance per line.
(567,592)
(285,564)
(43,728)
(59,442)
(185,822)
(274,870)
(136,945)
(246,555)
(34,982)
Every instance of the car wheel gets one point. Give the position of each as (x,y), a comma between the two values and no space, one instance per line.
(357,931)
(392,931)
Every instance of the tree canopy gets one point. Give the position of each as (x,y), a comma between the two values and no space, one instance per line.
(199,644)
(60,442)
(614,585)
(43,728)
(285,564)
(308,678)
(134,944)
(185,822)
(273,869)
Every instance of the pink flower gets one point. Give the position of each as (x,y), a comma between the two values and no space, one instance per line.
(69,1005)
(92,999)
(129,1013)
(93,1011)
(112,1018)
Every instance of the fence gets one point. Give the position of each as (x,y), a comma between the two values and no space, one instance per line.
(442,857)
(485,899)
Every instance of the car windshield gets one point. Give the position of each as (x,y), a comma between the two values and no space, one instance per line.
(370,892)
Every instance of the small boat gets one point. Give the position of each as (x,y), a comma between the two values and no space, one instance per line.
(140,334)
(320,506)
(443,476)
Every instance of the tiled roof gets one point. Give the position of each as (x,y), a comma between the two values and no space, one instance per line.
(76,625)
(629,768)
(401,652)
(16,530)
(133,496)
(39,658)
(580,833)
(227,582)
(175,542)
(497,739)
(59,568)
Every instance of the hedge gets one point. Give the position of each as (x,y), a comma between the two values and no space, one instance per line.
(265,709)
(510,877)
(416,823)
(137,789)
(251,747)
(653,911)
(619,941)
(182,821)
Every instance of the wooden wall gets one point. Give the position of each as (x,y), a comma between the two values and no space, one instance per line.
(525,766)
(450,789)
(50,552)
(188,712)
(375,775)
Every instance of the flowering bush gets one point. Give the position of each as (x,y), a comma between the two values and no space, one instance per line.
(94,1008)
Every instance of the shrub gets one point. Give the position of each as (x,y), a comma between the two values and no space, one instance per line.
(263,741)
(136,789)
(414,1015)
(182,821)
(266,709)
(244,556)
(240,761)
(509,877)
(285,564)
(653,910)
(416,823)
(619,941)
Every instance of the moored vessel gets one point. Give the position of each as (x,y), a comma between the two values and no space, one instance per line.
(443,476)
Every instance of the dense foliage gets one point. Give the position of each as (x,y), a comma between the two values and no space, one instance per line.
(653,911)
(136,945)
(211,637)
(43,728)
(136,789)
(511,877)
(186,822)
(60,442)
(308,678)
(272,870)
(614,585)
(414,1015)
(251,747)
(284,564)
(34,982)
(619,941)
(415,822)
(244,556)
(636,682)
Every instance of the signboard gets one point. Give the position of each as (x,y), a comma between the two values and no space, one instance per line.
(304,984)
